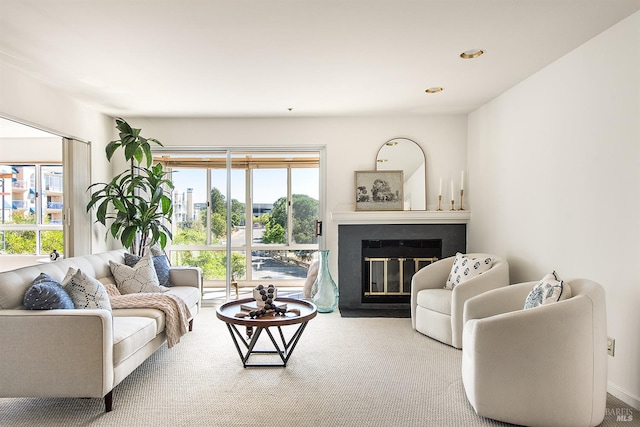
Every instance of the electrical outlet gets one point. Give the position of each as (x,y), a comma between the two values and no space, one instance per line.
(611,346)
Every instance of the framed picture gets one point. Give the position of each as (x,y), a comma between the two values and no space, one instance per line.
(379,191)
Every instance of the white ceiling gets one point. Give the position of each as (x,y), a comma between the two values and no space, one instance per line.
(259,58)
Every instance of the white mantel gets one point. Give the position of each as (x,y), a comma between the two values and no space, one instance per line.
(401,217)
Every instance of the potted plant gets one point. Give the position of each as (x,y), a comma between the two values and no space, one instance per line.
(136,202)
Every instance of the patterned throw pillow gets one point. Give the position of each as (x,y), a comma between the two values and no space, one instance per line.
(85,291)
(141,277)
(45,293)
(465,267)
(160,263)
(549,290)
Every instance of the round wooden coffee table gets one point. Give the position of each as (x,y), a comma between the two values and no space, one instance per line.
(236,314)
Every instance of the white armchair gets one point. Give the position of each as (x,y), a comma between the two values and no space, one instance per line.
(544,366)
(437,312)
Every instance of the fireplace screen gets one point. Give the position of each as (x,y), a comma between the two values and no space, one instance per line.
(389,265)
(392,276)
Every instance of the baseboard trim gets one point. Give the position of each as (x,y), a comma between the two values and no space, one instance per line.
(623,395)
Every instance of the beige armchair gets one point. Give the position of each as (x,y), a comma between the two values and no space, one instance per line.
(545,366)
(437,312)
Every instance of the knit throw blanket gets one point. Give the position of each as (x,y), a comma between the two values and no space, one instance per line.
(176,312)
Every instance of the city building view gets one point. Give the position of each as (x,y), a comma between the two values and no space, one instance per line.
(32,209)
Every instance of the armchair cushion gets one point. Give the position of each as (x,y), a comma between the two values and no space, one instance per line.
(466,267)
(549,290)
(438,300)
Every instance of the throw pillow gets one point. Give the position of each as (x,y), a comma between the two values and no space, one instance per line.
(465,267)
(85,291)
(549,290)
(160,263)
(141,277)
(45,293)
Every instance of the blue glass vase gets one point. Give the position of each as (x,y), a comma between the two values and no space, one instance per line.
(324,289)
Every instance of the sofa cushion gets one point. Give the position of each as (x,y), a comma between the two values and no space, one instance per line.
(141,277)
(547,291)
(130,334)
(189,294)
(160,263)
(466,267)
(85,291)
(155,314)
(438,300)
(46,294)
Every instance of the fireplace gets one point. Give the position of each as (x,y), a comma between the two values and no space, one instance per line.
(389,265)
(356,242)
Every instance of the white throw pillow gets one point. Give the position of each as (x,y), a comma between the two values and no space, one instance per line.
(547,291)
(85,291)
(465,267)
(141,277)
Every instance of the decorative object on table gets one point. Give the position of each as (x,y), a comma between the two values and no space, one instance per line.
(324,291)
(379,190)
(406,155)
(135,220)
(54,255)
(265,297)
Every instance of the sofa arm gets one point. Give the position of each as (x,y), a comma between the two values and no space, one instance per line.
(56,353)
(186,276)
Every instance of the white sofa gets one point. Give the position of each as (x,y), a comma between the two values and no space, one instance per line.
(437,312)
(79,352)
(545,366)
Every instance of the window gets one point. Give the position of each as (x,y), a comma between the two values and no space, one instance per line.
(32,209)
(274,203)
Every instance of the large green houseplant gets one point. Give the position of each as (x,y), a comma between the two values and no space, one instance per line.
(136,202)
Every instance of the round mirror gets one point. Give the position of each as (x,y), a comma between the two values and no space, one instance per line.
(406,155)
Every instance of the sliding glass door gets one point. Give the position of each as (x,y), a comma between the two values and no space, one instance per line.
(258,207)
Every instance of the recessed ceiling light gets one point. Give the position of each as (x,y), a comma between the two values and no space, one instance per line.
(470,54)
(434,90)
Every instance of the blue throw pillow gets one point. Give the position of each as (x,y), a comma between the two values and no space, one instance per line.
(46,294)
(160,264)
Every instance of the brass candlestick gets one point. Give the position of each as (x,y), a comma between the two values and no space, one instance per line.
(452,203)
(440,202)
(461,194)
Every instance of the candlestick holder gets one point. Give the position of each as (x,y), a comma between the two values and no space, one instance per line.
(452,203)
(440,202)
(461,194)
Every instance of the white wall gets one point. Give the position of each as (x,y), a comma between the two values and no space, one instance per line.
(35,150)
(30,102)
(554,177)
(351,144)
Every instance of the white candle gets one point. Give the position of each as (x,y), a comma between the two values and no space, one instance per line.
(452,196)
(462,181)
(440,191)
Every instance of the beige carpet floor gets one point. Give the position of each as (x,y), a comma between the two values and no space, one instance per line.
(345,372)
